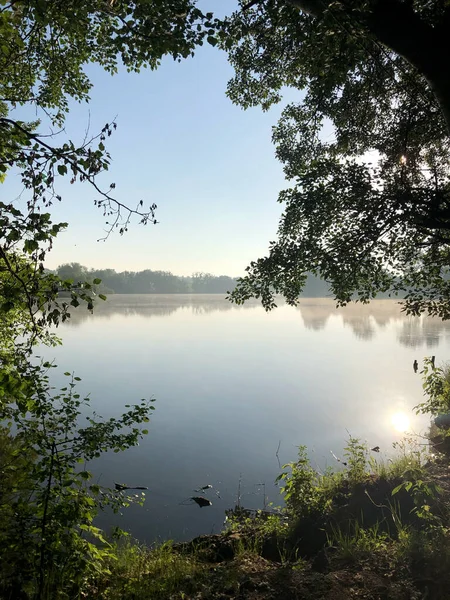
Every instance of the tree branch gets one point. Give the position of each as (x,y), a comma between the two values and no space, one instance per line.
(398,27)
(316,8)
(23,285)
(250,4)
(107,198)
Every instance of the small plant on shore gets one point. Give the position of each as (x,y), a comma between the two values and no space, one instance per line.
(301,490)
(410,453)
(356,457)
(274,525)
(248,544)
(436,386)
(425,493)
(357,544)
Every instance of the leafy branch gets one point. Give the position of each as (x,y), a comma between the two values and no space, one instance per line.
(85,165)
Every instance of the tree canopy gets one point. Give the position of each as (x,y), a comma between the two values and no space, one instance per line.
(45,49)
(367,206)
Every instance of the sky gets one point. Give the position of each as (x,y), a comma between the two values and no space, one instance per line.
(181,144)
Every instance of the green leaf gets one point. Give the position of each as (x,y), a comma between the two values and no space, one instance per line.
(30,246)
(62,169)
(397,489)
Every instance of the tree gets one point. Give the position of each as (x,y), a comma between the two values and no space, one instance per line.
(46,526)
(43,54)
(369,209)
(73,271)
(206,283)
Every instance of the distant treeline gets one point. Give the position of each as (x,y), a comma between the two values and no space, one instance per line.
(147,281)
(164,282)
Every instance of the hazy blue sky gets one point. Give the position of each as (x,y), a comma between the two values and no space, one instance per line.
(207,164)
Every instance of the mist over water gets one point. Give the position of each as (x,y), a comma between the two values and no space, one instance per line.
(232,384)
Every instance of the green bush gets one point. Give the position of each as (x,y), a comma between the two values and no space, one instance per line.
(301,490)
(50,545)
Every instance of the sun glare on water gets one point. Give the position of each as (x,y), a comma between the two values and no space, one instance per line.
(401,422)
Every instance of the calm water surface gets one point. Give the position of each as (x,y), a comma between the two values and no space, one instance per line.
(233,384)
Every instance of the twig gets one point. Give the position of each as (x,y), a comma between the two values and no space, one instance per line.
(145,216)
(263,485)
(239,491)
(250,4)
(276,454)
(88,127)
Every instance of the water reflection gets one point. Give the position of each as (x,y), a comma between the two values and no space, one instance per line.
(315,314)
(231,382)
(364,321)
(155,305)
(367,320)
(363,327)
(401,422)
(426,331)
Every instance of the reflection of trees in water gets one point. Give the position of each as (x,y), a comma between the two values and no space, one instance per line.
(204,309)
(153,305)
(359,317)
(362,326)
(381,320)
(365,319)
(315,315)
(425,331)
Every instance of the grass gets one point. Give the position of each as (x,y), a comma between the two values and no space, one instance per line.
(359,544)
(247,546)
(410,455)
(142,573)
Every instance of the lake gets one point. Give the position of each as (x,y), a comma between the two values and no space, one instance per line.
(234,386)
